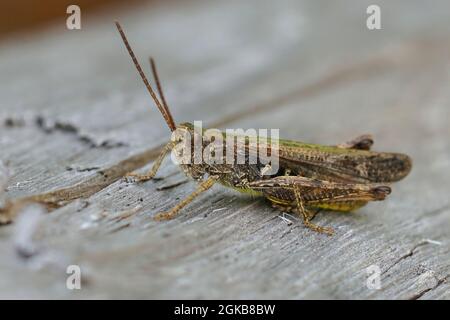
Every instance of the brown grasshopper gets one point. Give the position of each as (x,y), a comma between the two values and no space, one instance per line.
(310,176)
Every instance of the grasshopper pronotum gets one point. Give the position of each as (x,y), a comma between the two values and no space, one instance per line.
(310,176)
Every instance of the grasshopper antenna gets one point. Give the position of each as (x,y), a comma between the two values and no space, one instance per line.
(159,87)
(165,113)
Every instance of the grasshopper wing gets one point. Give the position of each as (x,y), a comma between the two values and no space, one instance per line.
(342,165)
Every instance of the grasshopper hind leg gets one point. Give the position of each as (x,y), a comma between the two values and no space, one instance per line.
(302,192)
(306,213)
(343,206)
(311,211)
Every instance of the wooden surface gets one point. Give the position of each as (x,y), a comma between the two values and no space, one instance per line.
(74,115)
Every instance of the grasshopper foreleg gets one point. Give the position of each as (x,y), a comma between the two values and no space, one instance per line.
(151,174)
(204,185)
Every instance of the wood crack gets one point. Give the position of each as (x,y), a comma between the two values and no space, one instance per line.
(421,293)
(409,254)
(49,126)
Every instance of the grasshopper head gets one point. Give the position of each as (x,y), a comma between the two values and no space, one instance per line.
(183,138)
(189,134)
(183,133)
(185,151)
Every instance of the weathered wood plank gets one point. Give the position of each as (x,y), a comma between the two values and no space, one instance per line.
(318,75)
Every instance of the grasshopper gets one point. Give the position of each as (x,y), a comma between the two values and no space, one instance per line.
(310,178)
